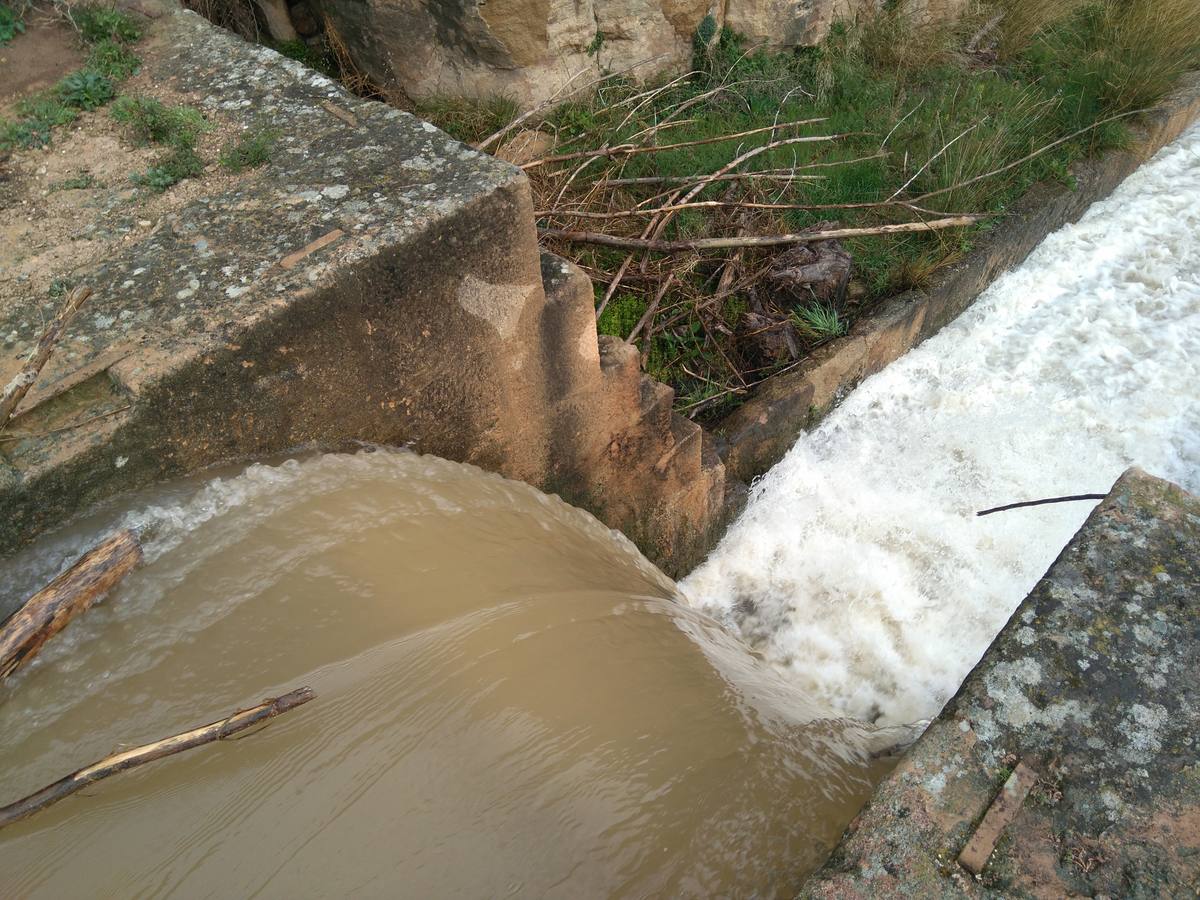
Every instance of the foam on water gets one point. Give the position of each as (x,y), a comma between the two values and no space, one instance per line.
(859,565)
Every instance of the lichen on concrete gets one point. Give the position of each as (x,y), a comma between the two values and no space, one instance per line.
(1092,684)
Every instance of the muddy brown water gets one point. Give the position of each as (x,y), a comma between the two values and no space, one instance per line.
(509,702)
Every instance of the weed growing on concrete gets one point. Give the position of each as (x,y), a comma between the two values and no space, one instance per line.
(152,122)
(249,151)
(818,321)
(176,127)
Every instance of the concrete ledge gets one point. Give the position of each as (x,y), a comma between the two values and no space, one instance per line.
(376,281)
(1090,694)
(757,434)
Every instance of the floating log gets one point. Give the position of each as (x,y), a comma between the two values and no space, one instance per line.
(168,746)
(48,611)
(15,391)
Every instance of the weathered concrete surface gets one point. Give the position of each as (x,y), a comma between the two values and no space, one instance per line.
(376,281)
(757,434)
(1092,684)
(530,49)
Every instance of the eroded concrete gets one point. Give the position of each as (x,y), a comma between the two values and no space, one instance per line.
(1092,685)
(376,281)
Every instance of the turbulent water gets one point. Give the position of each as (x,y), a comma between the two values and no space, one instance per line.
(510,700)
(859,566)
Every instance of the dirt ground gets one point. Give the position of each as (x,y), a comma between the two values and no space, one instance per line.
(49,228)
(47,51)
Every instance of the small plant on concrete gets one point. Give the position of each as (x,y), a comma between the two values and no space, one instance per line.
(102,23)
(249,151)
(10,23)
(818,321)
(152,122)
(113,60)
(85,90)
(180,163)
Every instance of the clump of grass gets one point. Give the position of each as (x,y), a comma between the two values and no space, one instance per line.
(317,58)
(176,127)
(151,121)
(469,120)
(11,23)
(179,163)
(104,23)
(37,117)
(818,321)
(249,151)
(113,60)
(79,182)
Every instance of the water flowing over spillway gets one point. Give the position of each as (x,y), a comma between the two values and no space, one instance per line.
(509,701)
(859,566)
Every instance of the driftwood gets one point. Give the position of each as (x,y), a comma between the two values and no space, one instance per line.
(1072,499)
(48,611)
(772,240)
(128,759)
(16,389)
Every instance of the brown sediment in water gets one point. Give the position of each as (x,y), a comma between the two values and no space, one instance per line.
(509,700)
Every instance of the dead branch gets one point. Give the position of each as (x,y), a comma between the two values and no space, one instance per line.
(1024,159)
(633,150)
(16,389)
(612,285)
(138,756)
(723,204)
(52,608)
(651,309)
(774,240)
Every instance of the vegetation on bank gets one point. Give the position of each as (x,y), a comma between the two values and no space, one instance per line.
(110,35)
(890,121)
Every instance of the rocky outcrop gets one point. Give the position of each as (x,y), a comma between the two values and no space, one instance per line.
(528,49)
(1068,765)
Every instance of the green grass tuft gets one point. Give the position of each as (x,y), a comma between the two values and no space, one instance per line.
(113,60)
(179,163)
(104,23)
(152,122)
(248,151)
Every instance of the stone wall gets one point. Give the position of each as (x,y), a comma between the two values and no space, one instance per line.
(529,49)
(1068,764)
(374,282)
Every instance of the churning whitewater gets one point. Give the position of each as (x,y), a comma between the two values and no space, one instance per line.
(859,565)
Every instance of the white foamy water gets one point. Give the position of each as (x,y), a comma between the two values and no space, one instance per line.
(859,565)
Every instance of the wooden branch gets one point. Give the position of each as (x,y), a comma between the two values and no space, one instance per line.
(50,610)
(651,309)
(16,389)
(772,240)
(1024,159)
(128,759)
(722,204)
(632,150)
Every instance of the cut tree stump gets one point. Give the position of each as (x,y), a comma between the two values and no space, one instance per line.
(48,611)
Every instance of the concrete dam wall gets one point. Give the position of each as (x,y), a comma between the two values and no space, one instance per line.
(375,282)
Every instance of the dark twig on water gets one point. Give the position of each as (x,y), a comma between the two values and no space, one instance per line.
(1071,499)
